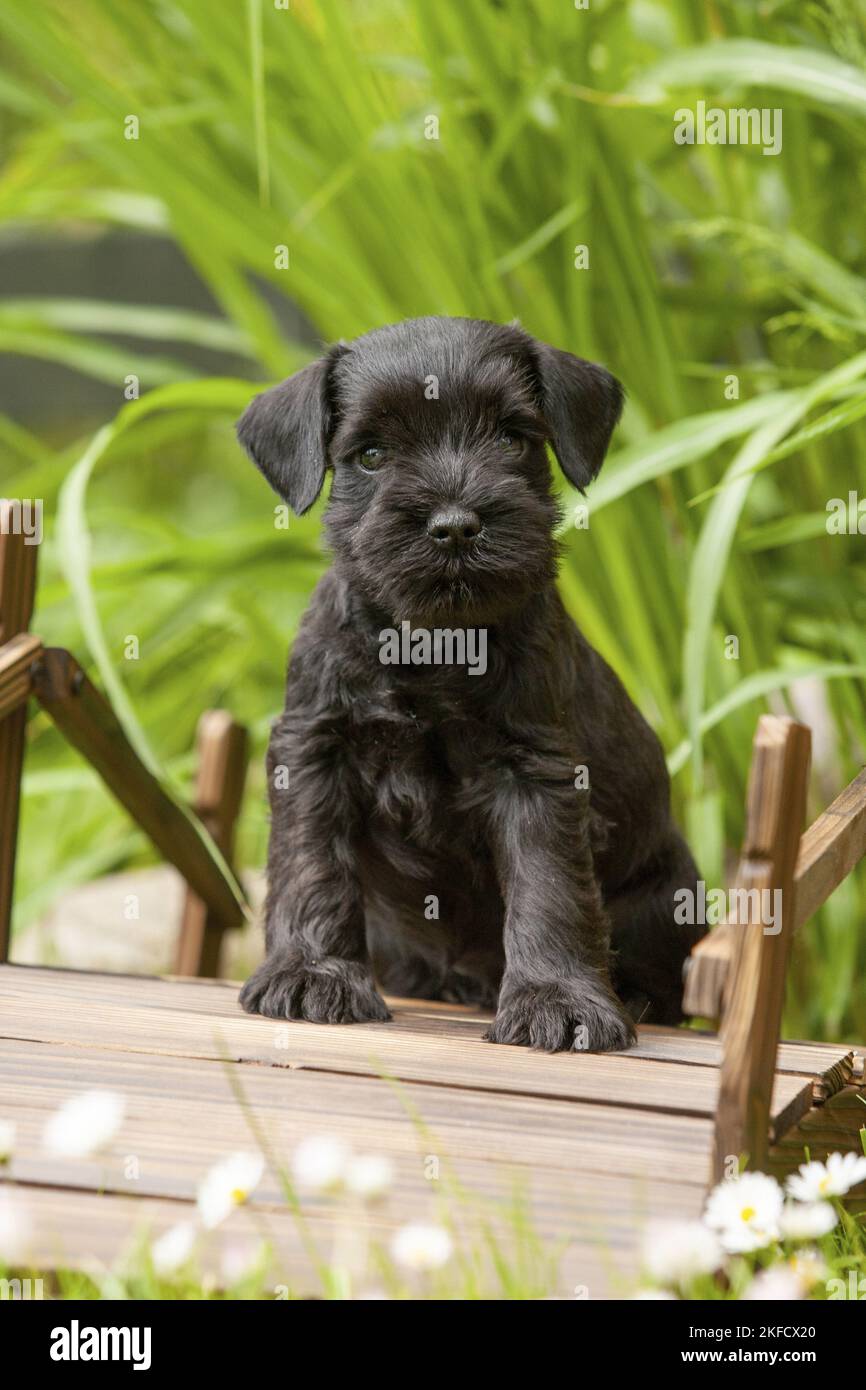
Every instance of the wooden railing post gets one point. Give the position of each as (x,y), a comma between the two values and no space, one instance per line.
(17,589)
(775,812)
(222,753)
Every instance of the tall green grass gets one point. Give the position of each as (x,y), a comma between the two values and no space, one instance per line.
(305,128)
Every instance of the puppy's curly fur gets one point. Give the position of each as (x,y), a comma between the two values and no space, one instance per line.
(397,787)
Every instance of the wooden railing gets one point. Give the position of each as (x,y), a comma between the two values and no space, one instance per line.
(737,973)
(196,840)
(832,846)
(17,589)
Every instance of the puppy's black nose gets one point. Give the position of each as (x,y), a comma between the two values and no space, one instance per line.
(453,527)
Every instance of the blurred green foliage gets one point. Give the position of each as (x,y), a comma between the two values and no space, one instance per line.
(307,128)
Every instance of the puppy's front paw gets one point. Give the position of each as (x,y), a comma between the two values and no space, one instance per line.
(327,990)
(561,1018)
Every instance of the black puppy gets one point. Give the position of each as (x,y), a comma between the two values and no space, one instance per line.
(430,830)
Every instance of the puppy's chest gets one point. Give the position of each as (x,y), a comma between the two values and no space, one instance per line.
(415,762)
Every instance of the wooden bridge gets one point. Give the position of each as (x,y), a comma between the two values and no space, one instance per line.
(600,1143)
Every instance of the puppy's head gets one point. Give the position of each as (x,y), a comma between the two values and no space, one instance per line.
(441,506)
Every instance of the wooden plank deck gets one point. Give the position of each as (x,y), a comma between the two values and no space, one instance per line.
(601,1143)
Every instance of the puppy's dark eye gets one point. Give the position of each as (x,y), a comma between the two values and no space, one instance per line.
(509,442)
(371,458)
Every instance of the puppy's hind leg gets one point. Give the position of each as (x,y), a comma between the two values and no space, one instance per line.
(437,965)
(408,976)
(650,946)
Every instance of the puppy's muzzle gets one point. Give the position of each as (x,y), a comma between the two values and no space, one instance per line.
(454,528)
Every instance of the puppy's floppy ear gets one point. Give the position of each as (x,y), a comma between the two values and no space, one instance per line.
(286,430)
(581,403)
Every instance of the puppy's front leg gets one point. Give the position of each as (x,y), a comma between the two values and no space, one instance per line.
(556,991)
(317,967)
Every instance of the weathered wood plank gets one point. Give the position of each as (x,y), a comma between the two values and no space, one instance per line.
(705,1049)
(830,1128)
(218,1000)
(829,850)
(707,970)
(620,1200)
(184,1113)
(410,1048)
(601,1230)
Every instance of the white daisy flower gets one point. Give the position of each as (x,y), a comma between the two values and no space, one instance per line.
(369,1176)
(16,1229)
(228,1185)
(807,1220)
(319,1164)
(676,1251)
(7,1140)
(173,1248)
(422,1247)
(846,1171)
(778,1284)
(654,1296)
(84,1125)
(745,1211)
(838,1175)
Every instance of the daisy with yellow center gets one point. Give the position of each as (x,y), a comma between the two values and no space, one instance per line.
(227,1185)
(745,1212)
(834,1178)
